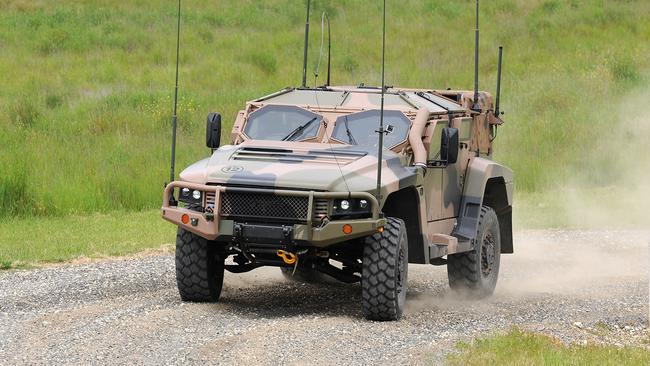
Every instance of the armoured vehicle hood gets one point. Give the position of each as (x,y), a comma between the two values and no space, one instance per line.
(301,165)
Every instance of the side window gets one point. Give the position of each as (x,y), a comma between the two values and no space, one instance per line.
(434,148)
(464,129)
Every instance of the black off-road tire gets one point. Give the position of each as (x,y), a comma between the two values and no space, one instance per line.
(384,272)
(475,273)
(199,270)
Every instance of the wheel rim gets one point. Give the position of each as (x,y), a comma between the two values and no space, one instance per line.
(487,254)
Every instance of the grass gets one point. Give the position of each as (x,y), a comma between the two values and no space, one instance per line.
(33,241)
(518,347)
(85,101)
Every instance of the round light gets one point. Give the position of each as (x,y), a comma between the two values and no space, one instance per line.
(345,205)
(196,195)
(363,203)
(185,191)
(185,219)
(347,229)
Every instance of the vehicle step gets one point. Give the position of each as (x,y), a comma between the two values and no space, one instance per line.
(442,245)
(437,251)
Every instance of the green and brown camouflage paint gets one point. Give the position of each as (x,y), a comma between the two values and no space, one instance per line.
(444,198)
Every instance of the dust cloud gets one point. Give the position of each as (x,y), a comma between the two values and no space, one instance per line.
(612,188)
(606,205)
(559,264)
(574,262)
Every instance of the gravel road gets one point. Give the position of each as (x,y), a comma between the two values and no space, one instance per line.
(580,286)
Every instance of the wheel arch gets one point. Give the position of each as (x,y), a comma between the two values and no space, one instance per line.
(405,204)
(496,197)
(491,184)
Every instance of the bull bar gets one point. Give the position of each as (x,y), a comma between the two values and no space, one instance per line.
(208,225)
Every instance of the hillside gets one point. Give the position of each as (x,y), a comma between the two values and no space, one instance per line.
(85,100)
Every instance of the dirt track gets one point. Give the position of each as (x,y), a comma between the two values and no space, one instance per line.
(577,285)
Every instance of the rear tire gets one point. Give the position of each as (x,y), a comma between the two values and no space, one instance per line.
(475,273)
(199,270)
(384,272)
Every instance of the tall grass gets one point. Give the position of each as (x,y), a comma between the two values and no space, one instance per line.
(85,98)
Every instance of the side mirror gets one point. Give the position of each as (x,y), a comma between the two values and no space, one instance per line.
(213,131)
(449,145)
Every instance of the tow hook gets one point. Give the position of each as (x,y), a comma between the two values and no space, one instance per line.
(287,257)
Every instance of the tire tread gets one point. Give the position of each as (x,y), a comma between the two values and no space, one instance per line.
(379,295)
(199,272)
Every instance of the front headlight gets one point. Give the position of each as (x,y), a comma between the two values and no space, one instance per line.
(350,208)
(191,196)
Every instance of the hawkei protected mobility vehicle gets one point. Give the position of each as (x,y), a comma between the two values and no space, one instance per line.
(310,184)
(296,189)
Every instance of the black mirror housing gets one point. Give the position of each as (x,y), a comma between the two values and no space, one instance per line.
(213,131)
(449,145)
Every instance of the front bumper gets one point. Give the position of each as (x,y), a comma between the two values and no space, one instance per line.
(212,226)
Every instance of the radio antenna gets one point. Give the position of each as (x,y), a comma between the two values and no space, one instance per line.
(475,104)
(304,60)
(497,110)
(323,18)
(381,130)
(329,49)
(174,116)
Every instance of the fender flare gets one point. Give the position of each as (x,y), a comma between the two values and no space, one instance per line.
(486,182)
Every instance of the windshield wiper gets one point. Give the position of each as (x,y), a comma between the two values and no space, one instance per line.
(298,129)
(351,139)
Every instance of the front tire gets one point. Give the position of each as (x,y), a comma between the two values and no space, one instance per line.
(475,273)
(199,270)
(384,272)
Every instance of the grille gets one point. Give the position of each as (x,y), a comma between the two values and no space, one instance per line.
(264,206)
(320,207)
(209,199)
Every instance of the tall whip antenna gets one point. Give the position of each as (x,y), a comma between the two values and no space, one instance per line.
(497,109)
(324,18)
(174,116)
(329,49)
(381,111)
(304,60)
(475,105)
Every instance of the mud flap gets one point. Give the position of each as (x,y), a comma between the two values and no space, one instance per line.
(468,218)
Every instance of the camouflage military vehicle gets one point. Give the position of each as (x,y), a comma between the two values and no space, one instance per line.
(295,188)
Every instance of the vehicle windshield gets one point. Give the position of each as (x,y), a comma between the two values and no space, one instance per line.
(277,122)
(360,128)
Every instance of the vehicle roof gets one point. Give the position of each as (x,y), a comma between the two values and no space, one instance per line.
(364,98)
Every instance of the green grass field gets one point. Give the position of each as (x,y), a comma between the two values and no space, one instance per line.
(34,241)
(86,94)
(518,347)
